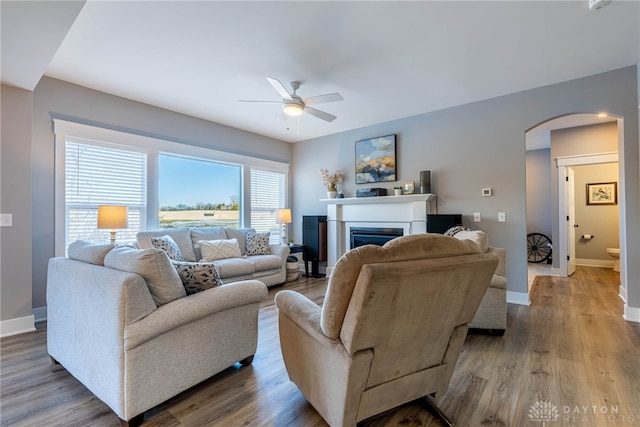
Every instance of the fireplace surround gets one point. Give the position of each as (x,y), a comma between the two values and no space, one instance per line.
(407,213)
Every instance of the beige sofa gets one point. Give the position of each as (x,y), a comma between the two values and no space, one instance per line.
(391,327)
(492,313)
(270,269)
(120,322)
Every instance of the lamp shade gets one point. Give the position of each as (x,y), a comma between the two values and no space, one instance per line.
(111,217)
(283,216)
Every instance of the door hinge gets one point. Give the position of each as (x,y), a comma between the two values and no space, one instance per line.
(568,257)
(566,178)
(567,217)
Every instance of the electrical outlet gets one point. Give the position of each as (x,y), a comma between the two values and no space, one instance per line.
(502,217)
(476,217)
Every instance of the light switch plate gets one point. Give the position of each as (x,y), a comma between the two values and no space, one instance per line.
(476,217)
(502,217)
(6,220)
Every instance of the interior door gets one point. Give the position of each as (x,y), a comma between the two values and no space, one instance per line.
(571,222)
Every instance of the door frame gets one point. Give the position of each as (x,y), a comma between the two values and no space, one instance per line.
(563,163)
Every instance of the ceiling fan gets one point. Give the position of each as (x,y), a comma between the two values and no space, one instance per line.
(293,105)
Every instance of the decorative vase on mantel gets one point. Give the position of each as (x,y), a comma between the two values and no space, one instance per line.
(332,192)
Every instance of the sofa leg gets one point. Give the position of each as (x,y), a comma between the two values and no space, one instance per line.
(133,422)
(54,361)
(247,360)
(437,413)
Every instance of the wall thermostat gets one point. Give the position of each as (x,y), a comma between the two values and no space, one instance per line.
(486,192)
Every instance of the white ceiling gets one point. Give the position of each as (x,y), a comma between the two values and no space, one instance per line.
(388,59)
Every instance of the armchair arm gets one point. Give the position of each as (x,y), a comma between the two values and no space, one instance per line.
(193,307)
(301,311)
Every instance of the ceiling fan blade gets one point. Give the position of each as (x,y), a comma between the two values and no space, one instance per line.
(284,93)
(264,102)
(320,114)
(329,97)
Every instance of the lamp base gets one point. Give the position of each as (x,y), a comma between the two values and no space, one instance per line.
(113,236)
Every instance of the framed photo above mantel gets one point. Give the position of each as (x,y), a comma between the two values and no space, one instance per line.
(376,159)
(602,193)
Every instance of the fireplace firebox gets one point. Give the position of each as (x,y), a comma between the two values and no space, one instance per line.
(373,235)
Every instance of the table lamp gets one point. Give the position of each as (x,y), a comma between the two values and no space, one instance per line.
(112,217)
(283,216)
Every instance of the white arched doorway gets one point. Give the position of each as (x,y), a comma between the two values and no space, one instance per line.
(539,138)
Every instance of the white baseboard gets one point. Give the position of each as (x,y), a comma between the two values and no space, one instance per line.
(17,326)
(604,263)
(520,298)
(631,314)
(40,314)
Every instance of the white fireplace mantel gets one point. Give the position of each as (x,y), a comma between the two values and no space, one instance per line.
(408,212)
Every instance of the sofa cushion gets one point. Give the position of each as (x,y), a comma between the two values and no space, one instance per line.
(82,250)
(197,276)
(232,267)
(181,236)
(258,243)
(240,234)
(265,262)
(212,250)
(213,233)
(155,268)
(169,246)
(476,236)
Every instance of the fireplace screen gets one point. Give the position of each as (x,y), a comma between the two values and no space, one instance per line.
(373,236)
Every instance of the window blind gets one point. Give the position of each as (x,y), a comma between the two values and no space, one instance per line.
(98,175)
(267,195)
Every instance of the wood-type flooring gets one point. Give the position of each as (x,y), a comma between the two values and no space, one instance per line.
(568,359)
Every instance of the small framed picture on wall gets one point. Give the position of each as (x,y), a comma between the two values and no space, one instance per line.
(602,193)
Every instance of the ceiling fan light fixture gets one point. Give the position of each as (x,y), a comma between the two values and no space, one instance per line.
(293,109)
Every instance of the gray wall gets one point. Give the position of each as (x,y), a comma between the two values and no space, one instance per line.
(601,221)
(539,192)
(15,241)
(482,145)
(55,98)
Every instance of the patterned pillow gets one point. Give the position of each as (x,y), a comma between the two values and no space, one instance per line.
(197,276)
(169,246)
(258,243)
(212,250)
(455,230)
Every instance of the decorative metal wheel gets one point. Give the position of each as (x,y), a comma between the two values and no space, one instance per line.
(538,247)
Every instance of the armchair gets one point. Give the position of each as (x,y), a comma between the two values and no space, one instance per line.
(391,326)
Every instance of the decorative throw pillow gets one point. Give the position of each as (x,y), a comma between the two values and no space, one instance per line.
(197,276)
(212,250)
(258,243)
(169,246)
(455,230)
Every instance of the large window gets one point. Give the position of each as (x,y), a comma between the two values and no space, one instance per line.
(198,193)
(163,184)
(99,175)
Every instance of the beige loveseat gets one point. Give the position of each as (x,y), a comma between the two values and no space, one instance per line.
(391,326)
(120,322)
(269,267)
(492,313)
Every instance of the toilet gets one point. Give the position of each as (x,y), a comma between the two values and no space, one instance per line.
(615,254)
